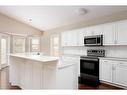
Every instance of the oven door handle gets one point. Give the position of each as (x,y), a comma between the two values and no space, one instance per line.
(89,59)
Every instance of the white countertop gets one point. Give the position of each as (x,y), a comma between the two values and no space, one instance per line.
(41,58)
(113,58)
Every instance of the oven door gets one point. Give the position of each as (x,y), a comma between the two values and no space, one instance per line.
(89,66)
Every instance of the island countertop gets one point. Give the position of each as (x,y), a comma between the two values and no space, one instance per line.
(41,58)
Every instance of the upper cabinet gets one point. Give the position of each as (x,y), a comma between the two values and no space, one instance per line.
(95,30)
(109,34)
(73,38)
(121,32)
(114,33)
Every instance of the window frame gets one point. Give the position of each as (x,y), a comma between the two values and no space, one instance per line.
(20,37)
(30,43)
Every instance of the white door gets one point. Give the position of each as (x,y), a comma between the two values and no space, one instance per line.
(120,75)
(54,45)
(106,70)
(4,51)
(121,29)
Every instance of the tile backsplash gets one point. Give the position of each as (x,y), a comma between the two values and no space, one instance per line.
(111,51)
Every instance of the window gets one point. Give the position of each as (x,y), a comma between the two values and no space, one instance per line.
(54,40)
(18,44)
(35,44)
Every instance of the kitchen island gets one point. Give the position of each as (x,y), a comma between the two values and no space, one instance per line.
(42,72)
(33,71)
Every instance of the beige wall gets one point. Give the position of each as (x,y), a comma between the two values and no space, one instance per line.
(105,19)
(9,25)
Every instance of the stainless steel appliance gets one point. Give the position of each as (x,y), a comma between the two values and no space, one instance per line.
(89,67)
(96,40)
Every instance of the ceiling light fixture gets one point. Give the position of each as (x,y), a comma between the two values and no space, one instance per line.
(30,19)
(81,11)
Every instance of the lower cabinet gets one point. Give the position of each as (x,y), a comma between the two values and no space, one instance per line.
(106,70)
(113,71)
(67,77)
(120,74)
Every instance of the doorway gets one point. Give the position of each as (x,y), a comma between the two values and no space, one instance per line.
(4,50)
(54,45)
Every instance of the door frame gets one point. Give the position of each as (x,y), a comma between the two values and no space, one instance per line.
(7,37)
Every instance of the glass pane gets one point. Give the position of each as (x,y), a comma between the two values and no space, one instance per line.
(35,41)
(19,45)
(35,44)
(35,48)
(3,51)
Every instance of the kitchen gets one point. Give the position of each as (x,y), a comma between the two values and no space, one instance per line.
(88,53)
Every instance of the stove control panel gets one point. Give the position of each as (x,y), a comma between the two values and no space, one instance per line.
(97,53)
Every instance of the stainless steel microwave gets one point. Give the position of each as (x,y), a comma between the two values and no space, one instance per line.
(96,40)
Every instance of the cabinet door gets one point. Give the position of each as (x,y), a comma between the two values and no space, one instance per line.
(106,70)
(28,75)
(67,77)
(109,34)
(121,29)
(37,75)
(64,39)
(73,38)
(89,31)
(120,75)
(97,30)
(81,35)
(22,75)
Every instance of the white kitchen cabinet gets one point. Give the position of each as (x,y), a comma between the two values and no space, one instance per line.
(113,71)
(106,70)
(81,34)
(65,39)
(49,76)
(72,38)
(28,75)
(67,77)
(94,30)
(22,74)
(109,34)
(38,72)
(121,31)
(120,74)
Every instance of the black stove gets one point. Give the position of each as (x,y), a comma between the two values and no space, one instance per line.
(89,67)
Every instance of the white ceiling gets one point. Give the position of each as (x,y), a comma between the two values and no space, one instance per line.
(49,17)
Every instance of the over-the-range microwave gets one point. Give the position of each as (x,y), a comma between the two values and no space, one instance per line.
(96,40)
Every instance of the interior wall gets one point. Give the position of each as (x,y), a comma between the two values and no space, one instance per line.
(12,26)
(105,19)
(9,25)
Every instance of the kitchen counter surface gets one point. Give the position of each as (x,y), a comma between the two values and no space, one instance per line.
(41,58)
(114,58)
